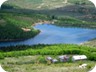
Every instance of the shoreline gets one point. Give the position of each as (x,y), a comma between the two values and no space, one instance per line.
(16,40)
(12,40)
(43,22)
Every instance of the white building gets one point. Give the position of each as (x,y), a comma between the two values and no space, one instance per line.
(54,61)
(79,57)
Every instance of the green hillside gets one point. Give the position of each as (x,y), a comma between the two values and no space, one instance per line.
(46,4)
(13,28)
(81,9)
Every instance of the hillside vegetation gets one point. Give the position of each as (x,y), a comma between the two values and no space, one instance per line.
(33,58)
(13,28)
(59,49)
(45,4)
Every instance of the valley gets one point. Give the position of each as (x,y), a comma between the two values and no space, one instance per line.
(31,30)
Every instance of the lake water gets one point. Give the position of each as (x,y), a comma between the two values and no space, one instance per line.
(51,34)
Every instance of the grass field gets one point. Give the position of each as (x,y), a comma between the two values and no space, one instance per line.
(32,64)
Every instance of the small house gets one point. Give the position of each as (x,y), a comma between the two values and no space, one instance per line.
(63,58)
(49,59)
(54,60)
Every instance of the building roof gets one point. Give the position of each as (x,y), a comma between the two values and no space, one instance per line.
(79,57)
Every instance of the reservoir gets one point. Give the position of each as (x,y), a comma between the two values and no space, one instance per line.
(51,34)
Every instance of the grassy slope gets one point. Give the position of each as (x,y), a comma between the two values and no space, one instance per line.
(37,4)
(74,13)
(44,4)
(18,59)
(54,6)
(91,43)
(33,64)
